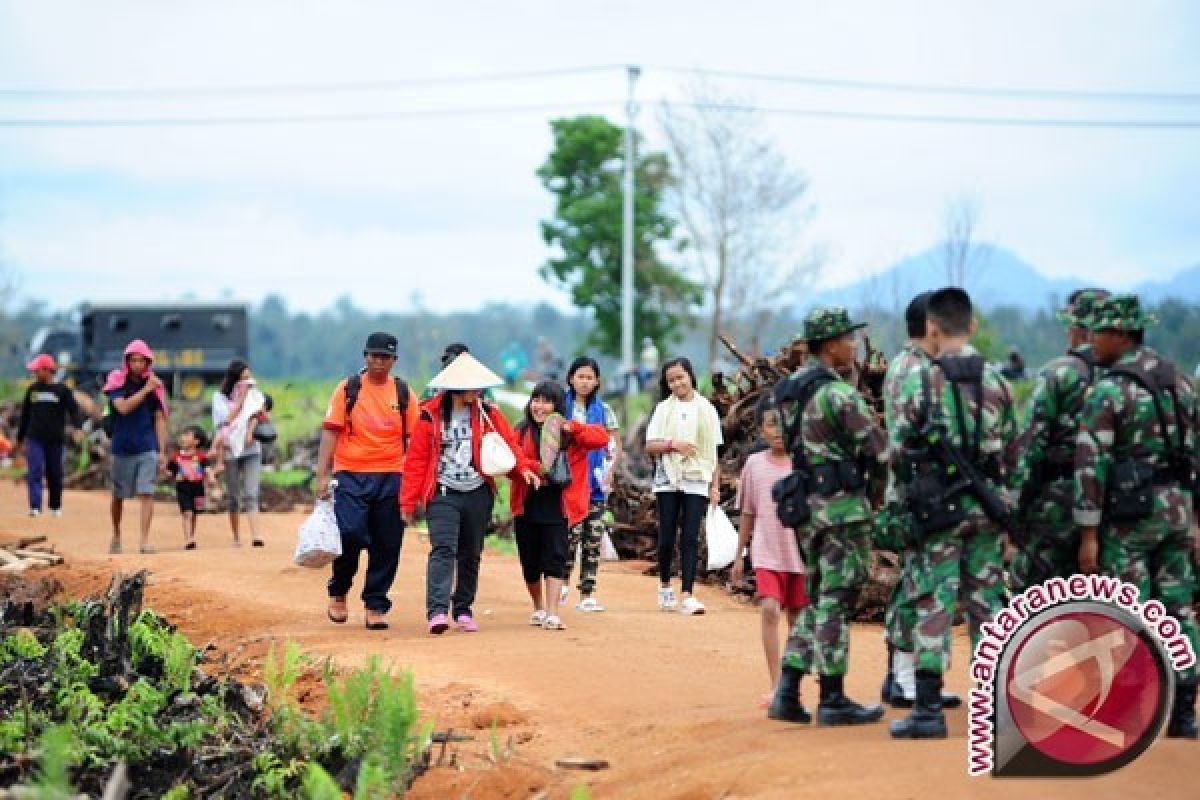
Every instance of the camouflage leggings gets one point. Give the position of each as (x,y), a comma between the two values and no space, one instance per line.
(1160,565)
(588,534)
(967,558)
(836,562)
(1051,548)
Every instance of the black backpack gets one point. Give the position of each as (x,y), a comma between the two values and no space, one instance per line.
(354,386)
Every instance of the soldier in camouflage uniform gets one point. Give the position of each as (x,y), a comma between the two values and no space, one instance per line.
(893,525)
(1138,427)
(959,549)
(846,453)
(1046,469)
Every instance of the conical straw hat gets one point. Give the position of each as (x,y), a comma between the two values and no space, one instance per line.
(465,372)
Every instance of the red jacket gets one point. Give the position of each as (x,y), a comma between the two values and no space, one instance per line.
(425,449)
(576,496)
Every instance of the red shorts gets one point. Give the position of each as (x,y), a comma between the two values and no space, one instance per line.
(785,587)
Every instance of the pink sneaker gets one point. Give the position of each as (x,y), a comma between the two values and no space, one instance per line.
(438,624)
(466,623)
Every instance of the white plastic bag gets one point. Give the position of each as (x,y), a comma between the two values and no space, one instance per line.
(320,542)
(495,456)
(607,551)
(722,539)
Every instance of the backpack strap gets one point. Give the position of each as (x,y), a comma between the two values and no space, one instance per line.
(354,386)
(1089,362)
(1154,384)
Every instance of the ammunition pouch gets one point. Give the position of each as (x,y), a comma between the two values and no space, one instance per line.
(836,476)
(1051,471)
(934,505)
(791,499)
(1130,490)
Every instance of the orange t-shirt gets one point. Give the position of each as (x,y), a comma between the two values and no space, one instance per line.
(374,441)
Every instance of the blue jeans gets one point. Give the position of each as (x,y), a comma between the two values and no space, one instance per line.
(44,460)
(367,506)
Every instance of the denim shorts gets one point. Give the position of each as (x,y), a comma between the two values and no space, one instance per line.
(134,475)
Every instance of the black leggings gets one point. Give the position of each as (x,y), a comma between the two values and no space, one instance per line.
(671,505)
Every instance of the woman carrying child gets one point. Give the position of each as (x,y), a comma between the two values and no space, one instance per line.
(243,464)
(543,515)
(682,438)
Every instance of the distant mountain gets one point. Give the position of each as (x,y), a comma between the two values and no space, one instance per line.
(1184,287)
(996,277)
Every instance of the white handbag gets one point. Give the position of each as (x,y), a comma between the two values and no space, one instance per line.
(495,456)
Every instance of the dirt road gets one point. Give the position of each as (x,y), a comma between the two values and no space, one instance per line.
(670,701)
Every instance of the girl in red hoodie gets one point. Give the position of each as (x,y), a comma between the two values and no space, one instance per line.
(544,516)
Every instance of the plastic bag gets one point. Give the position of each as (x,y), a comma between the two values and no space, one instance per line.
(722,539)
(320,542)
(607,551)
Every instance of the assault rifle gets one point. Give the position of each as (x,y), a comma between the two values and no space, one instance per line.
(961,475)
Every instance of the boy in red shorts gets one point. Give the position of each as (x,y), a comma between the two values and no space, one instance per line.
(778,566)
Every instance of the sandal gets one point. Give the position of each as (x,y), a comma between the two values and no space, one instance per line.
(537,618)
(190,546)
(553,623)
(256,542)
(377,625)
(114,548)
(147,550)
(337,618)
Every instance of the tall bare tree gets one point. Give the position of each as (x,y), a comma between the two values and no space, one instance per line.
(961,254)
(743,209)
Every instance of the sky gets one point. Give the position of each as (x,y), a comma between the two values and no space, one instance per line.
(442,210)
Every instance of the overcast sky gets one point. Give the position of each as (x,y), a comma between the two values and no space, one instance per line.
(447,207)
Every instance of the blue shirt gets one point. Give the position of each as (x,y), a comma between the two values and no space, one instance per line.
(133,433)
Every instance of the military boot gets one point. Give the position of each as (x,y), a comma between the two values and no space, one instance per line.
(1183,712)
(926,721)
(785,704)
(837,709)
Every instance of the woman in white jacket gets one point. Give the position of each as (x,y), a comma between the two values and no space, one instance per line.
(682,437)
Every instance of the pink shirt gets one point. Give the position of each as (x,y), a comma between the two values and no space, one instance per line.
(772,546)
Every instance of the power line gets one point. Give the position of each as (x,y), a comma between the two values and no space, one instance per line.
(1030,93)
(952,119)
(386,116)
(301,88)
(293,119)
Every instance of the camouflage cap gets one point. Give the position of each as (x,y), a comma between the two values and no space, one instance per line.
(827,322)
(1121,312)
(1078,311)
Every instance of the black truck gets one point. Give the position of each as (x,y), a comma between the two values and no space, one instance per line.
(193,343)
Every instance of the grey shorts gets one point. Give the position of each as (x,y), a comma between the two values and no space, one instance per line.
(134,475)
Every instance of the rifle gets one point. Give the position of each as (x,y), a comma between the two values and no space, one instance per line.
(963,476)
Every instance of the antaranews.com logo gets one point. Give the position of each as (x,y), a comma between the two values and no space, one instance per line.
(1073,678)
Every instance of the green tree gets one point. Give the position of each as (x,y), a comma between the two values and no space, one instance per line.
(583,172)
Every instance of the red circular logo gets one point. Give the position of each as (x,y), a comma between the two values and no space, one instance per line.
(1084,688)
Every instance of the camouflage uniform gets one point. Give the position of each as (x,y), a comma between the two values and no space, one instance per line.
(836,426)
(892,525)
(967,557)
(1045,472)
(1119,422)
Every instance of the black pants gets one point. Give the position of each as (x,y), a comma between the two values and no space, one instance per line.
(367,506)
(542,547)
(44,459)
(457,524)
(671,507)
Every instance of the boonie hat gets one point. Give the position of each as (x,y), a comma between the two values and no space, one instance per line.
(828,322)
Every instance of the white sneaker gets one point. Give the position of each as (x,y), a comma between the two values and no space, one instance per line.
(589,604)
(691,606)
(666,598)
(33,512)
(56,512)
(563,595)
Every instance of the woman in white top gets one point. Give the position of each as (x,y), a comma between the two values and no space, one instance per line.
(682,437)
(242,472)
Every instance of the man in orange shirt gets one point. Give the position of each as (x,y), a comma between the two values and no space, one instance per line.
(365,435)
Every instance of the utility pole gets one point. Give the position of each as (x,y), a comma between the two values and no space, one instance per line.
(627,362)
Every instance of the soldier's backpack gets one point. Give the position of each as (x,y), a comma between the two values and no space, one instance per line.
(791,493)
(354,386)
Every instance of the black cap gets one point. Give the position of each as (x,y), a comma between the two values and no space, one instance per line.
(380,342)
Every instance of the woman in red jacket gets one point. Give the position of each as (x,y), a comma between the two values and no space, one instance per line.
(443,475)
(544,516)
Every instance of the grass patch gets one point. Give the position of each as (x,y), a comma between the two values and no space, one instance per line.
(504,545)
(286,478)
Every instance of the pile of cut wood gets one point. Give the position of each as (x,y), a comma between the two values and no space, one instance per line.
(30,552)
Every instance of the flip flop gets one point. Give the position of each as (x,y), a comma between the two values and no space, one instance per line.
(336,619)
(190,546)
(376,626)
(551,439)
(258,543)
